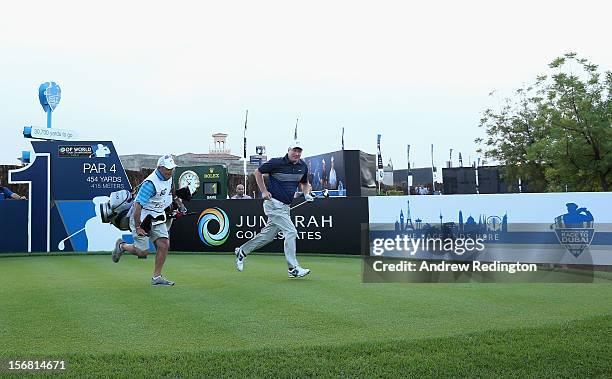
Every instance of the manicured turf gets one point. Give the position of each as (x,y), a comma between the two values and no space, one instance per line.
(105,319)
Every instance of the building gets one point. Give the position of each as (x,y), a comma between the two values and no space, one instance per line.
(218,153)
(388,174)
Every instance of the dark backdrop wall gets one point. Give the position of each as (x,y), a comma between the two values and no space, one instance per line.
(459,180)
(421,177)
(325,226)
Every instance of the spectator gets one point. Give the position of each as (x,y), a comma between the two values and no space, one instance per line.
(324,175)
(240,193)
(6,193)
(333,181)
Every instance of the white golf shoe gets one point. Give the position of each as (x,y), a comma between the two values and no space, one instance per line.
(298,272)
(240,257)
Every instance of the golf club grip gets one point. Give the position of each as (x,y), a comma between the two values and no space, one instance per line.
(183,215)
(146,224)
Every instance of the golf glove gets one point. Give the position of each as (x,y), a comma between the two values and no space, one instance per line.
(308,197)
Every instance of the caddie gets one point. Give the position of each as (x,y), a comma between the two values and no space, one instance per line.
(152,201)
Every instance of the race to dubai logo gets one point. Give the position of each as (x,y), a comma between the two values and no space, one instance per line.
(204,226)
(575,229)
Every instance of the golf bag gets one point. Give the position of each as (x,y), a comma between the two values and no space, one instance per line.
(115,211)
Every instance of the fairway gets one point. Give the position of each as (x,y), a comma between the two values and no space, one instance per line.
(106,319)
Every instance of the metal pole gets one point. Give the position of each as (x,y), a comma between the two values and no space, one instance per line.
(433,172)
(245,175)
(408,168)
(477,183)
(244,153)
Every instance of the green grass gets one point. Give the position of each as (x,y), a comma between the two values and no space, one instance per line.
(105,319)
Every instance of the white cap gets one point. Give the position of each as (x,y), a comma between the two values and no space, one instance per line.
(295,144)
(166,161)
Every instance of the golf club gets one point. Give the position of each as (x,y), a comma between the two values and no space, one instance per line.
(324,195)
(148,221)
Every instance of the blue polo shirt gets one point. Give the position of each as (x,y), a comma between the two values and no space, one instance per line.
(5,193)
(284,177)
(147,190)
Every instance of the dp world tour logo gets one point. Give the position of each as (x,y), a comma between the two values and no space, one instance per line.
(574,229)
(218,215)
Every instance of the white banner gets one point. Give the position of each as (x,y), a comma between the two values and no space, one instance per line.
(567,228)
(53,134)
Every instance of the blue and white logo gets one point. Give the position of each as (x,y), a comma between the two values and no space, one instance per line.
(49,95)
(100,151)
(575,229)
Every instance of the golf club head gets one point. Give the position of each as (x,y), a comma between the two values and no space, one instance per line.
(184,193)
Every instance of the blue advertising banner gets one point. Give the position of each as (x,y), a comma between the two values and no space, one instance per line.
(14,224)
(68,181)
(82,170)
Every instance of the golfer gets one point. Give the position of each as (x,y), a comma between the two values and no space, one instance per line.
(154,196)
(284,174)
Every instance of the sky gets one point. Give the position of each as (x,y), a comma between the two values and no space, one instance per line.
(162,77)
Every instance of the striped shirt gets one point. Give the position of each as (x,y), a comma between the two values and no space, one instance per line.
(284,177)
